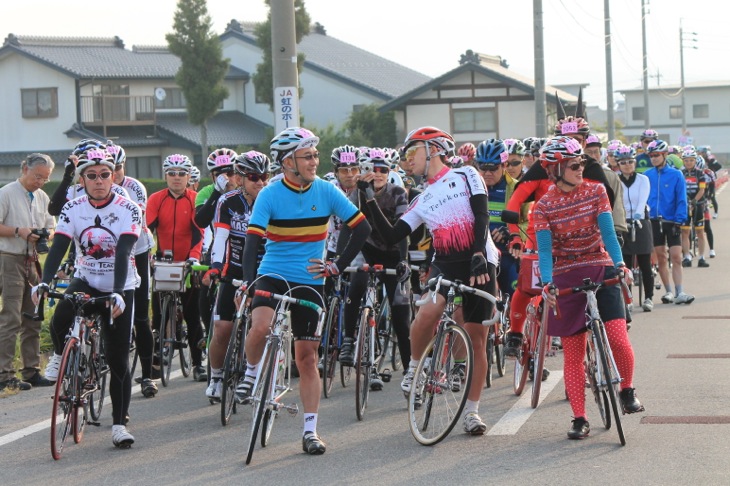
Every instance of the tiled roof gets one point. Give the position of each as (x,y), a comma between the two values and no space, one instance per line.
(9,159)
(688,85)
(124,136)
(351,64)
(227,128)
(101,57)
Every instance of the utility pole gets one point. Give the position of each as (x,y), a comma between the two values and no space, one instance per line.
(540,108)
(609,73)
(681,67)
(644,13)
(284,65)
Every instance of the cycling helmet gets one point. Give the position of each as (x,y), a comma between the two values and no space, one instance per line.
(700,162)
(251,162)
(291,140)
(373,157)
(194,175)
(704,149)
(94,156)
(657,146)
(395,179)
(559,149)
(467,151)
(329,177)
(431,136)
(450,148)
(568,125)
(345,156)
(515,146)
(624,152)
(636,146)
(536,145)
(177,161)
(220,159)
(689,151)
(456,161)
(408,182)
(394,157)
(592,140)
(491,151)
(649,134)
(676,149)
(613,145)
(117,152)
(87,144)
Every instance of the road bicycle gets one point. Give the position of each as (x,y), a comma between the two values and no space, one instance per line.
(370,344)
(601,371)
(333,335)
(444,374)
(82,375)
(273,380)
(234,365)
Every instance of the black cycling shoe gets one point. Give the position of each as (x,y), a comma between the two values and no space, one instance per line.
(312,444)
(149,389)
(347,352)
(580,429)
(629,402)
(512,344)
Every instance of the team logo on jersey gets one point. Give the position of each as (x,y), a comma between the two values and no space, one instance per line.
(314,208)
(97,241)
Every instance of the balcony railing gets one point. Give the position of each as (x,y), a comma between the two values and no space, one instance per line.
(117,110)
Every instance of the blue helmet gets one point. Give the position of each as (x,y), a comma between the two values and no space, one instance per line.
(491,151)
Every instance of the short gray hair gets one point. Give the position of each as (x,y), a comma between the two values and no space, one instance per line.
(36,160)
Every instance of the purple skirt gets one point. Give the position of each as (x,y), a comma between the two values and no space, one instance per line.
(572,306)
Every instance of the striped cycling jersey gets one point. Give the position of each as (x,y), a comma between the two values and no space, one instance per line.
(294,221)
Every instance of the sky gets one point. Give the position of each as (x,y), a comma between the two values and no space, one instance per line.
(429,36)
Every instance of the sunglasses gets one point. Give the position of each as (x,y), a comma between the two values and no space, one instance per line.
(256,177)
(349,170)
(216,173)
(514,163)
(92,176)
(177,173)
(577,166)
(626,162)
(411,152)
(381,170)
(647,140)
(655,155)
(489,167)
(309,157)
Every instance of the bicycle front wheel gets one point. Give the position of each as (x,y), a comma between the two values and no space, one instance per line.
(278,385)
(594,381)
(439,392)
(261,395)
(522,363)
(99,372)
(609,377)
(331,350)
(62,413)
(490,356)
(539,362)
(81,376)
(362,364)
(166,336)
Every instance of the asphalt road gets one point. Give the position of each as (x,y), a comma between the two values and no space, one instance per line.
(179,438)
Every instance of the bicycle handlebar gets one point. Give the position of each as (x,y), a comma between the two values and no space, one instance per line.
(436,282)
(290,300)
(370,269)
(589,285)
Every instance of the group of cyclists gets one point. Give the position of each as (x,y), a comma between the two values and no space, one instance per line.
(273,223)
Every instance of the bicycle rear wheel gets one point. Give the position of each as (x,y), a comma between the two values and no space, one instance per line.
(99,372)
(362,363)
(232,372)
(186,361)
(539,360)
(62,413)
(594,380)
(608,375)
(435,385)
(522,363)
(331,349)
(166,336)
(261,395)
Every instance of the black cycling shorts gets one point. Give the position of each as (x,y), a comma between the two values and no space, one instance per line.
(304,321)
(475,309)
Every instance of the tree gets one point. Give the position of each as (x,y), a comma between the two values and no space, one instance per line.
(378,128)
(203,68)
(263,78)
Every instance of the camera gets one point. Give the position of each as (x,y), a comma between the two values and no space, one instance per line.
(41,246)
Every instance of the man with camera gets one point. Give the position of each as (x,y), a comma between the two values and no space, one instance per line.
(25,227)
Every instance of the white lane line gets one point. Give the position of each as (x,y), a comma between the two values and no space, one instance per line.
(521,411)
(45,424)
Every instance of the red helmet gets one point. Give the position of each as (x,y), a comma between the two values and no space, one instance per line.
(430,135)
(467,151)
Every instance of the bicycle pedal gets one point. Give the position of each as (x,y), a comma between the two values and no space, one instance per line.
(386,375)
(293,409)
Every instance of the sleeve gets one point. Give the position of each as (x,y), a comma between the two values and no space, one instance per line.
(261,214)
(544,253)
(250,254)
(480,208)
(56,253)
(204,213)
(681,199)
(122,255)
(644,188)
(608,235)
(523,192)
(222,230)
(152,211)
(58,199)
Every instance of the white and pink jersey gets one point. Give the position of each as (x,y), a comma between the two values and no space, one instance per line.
(138,193)
(96,232)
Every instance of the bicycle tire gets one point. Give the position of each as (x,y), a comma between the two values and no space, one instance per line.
(100,371)
(231,374)
(133,354)
(608,376)
(79,378)
(599,394)
(186,360)
(62,412)
(331,350)
(442,402)
(261,397)
(165,335)
(384,335)
(538,362)
(499,357)
(490,357)
(522,363)
(499,347)
(362,364)
(278,383)
(345,375)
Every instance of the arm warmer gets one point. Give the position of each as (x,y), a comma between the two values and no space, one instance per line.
(121,261)
(479,207)
(545,254)
(391,234)
(359,234)
(55,255)
(59,196)
(220,242)
(608,234)
(205,213)
(250,250)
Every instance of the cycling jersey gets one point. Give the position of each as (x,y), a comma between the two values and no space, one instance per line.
(95,231)
(294,221)
(695,181)
(392,201)
(231,222)
(172,219)
(138,194)
(667,195)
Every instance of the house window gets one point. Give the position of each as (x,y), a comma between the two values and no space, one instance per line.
(174,99)
(144,167)
(701,111)
(675,112)
(475,120)
(39,103)
(637,113)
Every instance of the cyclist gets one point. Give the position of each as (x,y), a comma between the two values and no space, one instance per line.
(392,201)
(142,330)
(713,166)
(711,180)
(105,228)
(635,195)
(346,166)
(467,152)
(696,182)
(170,215)
(643,161)
(292,214)
(251,169)
(194,182)
(514,165)
(454,208)
(576,240)
(667,210)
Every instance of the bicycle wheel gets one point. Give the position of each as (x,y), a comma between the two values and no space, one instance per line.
(594,380)
(165,336)
(499,357)
(278,384)
(490,356)
(331,350)
(261,395)
(186,361)
(522,363)
(81,376)
(62,413)
(384,336)
(100,370)
(345,375)
(608,375)
(232,372)
(133,355)
(538,361)
(362,363)
(435,384)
